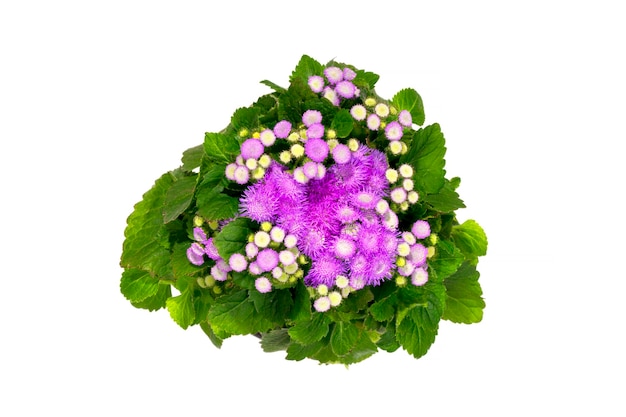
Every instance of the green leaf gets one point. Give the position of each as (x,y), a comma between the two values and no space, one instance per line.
(192,158)
(307,332)
(216,340)
(363,349)
(275,340)
(464,303)
(301,310)
(181,308)
(233,238)
(409,99)
(235,313)
(297,99)
(448,258)
(274,86)
(470,238)
(157,301)
(137,285)
(180,263)
(446,200)
(384,310)
(388,340)
(214,205)
(220,148)
(305,68)
(146,246)
(365,79)
(343,337)
(178,197)
(297,351)
(245,117)
(273,306)
(417,329)
(426,156)
(343,123)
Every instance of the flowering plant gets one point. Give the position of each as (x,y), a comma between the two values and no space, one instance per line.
(320,220)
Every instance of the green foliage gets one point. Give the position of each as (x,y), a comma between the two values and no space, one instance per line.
(426,156)
(233,237)
(464,303)
(409,99)
(393,315)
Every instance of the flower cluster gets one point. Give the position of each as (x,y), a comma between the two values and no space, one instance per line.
(319,220)
(327,202)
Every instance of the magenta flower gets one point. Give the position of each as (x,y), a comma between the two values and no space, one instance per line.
(259,202)
(237,262)
(211,250)
(421,229)
(263,285)
(282,129)
(195,254)
(373,122)
(348,74)
(315,131)
(267,259)
(342,154)
(345,89)
(418,254)
(333,74)
(324,270)
(199,235)
(344,248)
(316,149)
(311,117)
(405,118)
(393,131)
(252,149)
(316,83)
(419,277)
(310,169)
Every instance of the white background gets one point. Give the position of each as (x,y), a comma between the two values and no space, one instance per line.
(98,99)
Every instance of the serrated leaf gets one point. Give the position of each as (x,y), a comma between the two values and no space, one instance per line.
(363,349)
(233,238)
(220,148)
(307,332)
(470,238)
(157,301)
(343,123)
(215,205)
(137,285)
(245,117)
(306,68)
(448,258)
(301,310)
(274,86)
(297,351)
(343,337)
(181,267)
(387,341)
(464,303)
(365,79)
(181,309)
(416,332)
(146,246)
(192,158)
(273,306)
(178,197)
(275,340)
(216,340)
(446,200)
(235,314)
(426,156)
(409,99)
(384,310)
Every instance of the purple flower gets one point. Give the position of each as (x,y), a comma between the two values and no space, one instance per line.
(418,254)
(316,83)
(311,117)
(310,169)
(211,250)
(252,149)
(347,214)
(282,129)
(358,112)
(316,149)
(195,254)
(370,238)
(405,118)
(380,269)
(333,74)
(315,131)
(345,89)
(324,270)
(312,242)
(199,235)
(419,277)
(259,202)
(322,304)
(263,285)
(365,199)
(344,248)
(267,259)
(348,74)
(393,131)
(421,229)
(218,274)
(373,122)
(237,262)
(242,175)
(342,154)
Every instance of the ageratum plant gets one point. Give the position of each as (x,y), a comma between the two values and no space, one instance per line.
(319,220)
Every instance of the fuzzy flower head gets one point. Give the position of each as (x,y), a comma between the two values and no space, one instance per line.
(311,117)
(316,83)
(282,129)
(316,149)
(333,74)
